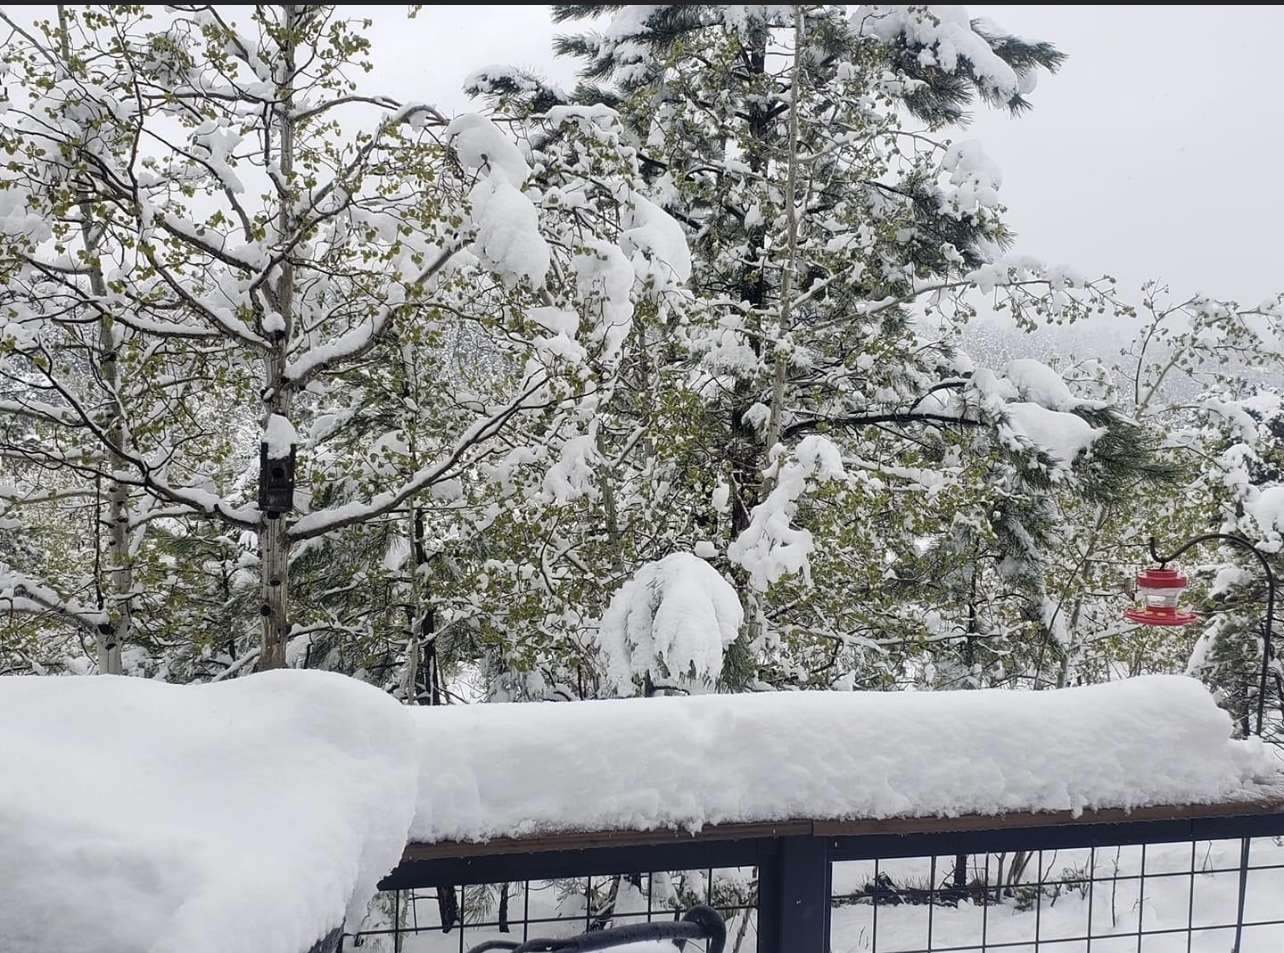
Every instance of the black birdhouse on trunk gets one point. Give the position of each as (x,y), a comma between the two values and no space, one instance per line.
(276,481)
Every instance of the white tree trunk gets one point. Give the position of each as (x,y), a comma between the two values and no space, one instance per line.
(117,601)
(274,553)
(274,540)
(113,633)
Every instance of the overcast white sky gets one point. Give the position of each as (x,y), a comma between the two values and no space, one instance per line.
(1155,152)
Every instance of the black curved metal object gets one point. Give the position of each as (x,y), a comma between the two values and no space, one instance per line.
(1267,631)
(699,923)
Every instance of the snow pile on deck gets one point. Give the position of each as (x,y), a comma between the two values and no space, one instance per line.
(514,769)
(139,817)
(254,815)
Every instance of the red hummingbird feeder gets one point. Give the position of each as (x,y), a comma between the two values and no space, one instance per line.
(1160,591)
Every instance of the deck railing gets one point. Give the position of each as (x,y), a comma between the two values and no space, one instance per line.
(1181,879)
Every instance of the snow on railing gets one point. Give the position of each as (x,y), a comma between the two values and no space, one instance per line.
(261,813)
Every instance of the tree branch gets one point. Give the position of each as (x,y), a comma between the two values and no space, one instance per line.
(866,420)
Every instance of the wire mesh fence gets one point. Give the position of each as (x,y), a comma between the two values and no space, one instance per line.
(1149,898)
(455,919)
(1059,889)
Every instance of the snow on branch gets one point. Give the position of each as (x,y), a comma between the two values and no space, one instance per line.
(669,623)
(357,341)
(470,443)
(22,593)
(1035,410)
(504,222)
(944,36)
(770,546)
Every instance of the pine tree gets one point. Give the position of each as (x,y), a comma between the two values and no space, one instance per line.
(821,420)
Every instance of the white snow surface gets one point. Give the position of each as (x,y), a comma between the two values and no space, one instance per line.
(975,175)
(508,237)
(686,762)
(1062,436)
(1266,506)
(771,546)
(1035,381)
(141,817)
(279,436)
(1035,405)
(483,145)
(604,283)
(507,224)
(656,241)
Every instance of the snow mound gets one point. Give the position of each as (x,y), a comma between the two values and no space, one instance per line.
(520,769)
(140,817)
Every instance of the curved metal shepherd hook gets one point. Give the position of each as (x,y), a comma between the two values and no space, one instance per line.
(1267,630)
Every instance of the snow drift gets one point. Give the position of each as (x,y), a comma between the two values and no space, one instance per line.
(256,814)
(140,817)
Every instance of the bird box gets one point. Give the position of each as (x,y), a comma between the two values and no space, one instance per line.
(276,482)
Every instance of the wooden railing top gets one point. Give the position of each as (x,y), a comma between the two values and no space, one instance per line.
(586,840)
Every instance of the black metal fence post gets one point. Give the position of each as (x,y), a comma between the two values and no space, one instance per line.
(1244,847)
(793,898)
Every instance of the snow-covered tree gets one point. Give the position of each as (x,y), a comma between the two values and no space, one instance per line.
(279,271)
(1198,373)
(838,242)
(1243,473)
